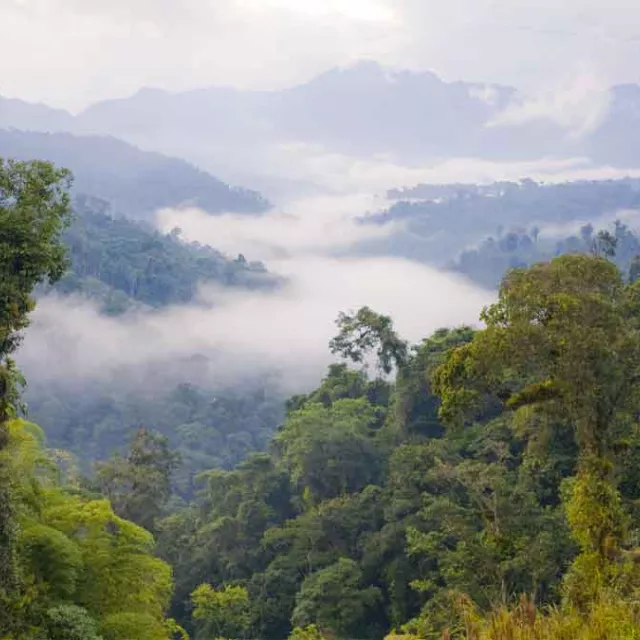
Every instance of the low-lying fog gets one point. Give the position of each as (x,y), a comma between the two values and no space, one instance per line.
(306,241)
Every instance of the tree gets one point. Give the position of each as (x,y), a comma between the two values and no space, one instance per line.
(69,622)
(364,331)
(330,451)
(605,244)
(77,560)
(310,632)
(334,600)
(120,573)
(415,405)
(139,485)
(562,346)
(34,210)
(222,613)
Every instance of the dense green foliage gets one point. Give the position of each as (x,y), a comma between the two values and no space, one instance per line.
(484,486)
(121,262)
(138,485)
(123,265)
(501,462)
(220,614)
(34,210)
(69,567)
(209,426)
(561,348)
(82,569)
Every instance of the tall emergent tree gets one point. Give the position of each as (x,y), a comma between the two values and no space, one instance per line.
(34,210)
(365,331)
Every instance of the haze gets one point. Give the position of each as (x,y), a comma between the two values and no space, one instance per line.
(70,53)
(322,106)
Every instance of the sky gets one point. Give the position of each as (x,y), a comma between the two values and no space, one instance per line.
(70,53)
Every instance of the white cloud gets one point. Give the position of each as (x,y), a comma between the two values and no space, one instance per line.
(289,330)
(578,107)
(310,226)
(364,10)
(521,42)
(75,51)
(250,332)
(344,175)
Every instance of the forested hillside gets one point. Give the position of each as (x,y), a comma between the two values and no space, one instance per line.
(440,221)
(125,266)
(481,484)
(121,265)
(69,567)
(122,262)
(499,467)
(488,263)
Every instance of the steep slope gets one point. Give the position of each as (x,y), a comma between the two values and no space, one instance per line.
(135,182)
(125,264)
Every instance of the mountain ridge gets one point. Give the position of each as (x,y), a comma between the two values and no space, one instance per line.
(360,112)
(135,182)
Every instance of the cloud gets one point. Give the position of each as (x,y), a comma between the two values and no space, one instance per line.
(363,10)
(76,51)
(522,42)
(310,226)
(341,175)
(244,332)
(578,107)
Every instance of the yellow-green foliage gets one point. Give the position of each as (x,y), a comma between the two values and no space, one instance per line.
(220,612)
(78,552)
(607,619)
(310,632)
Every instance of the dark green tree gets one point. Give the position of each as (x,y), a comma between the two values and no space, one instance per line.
(335,601)
(139,484)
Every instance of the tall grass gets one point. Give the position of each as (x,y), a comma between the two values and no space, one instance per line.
(607,619)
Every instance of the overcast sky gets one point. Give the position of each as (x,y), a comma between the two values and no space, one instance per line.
(73,52)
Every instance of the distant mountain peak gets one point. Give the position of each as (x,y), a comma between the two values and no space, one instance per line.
(372,72)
